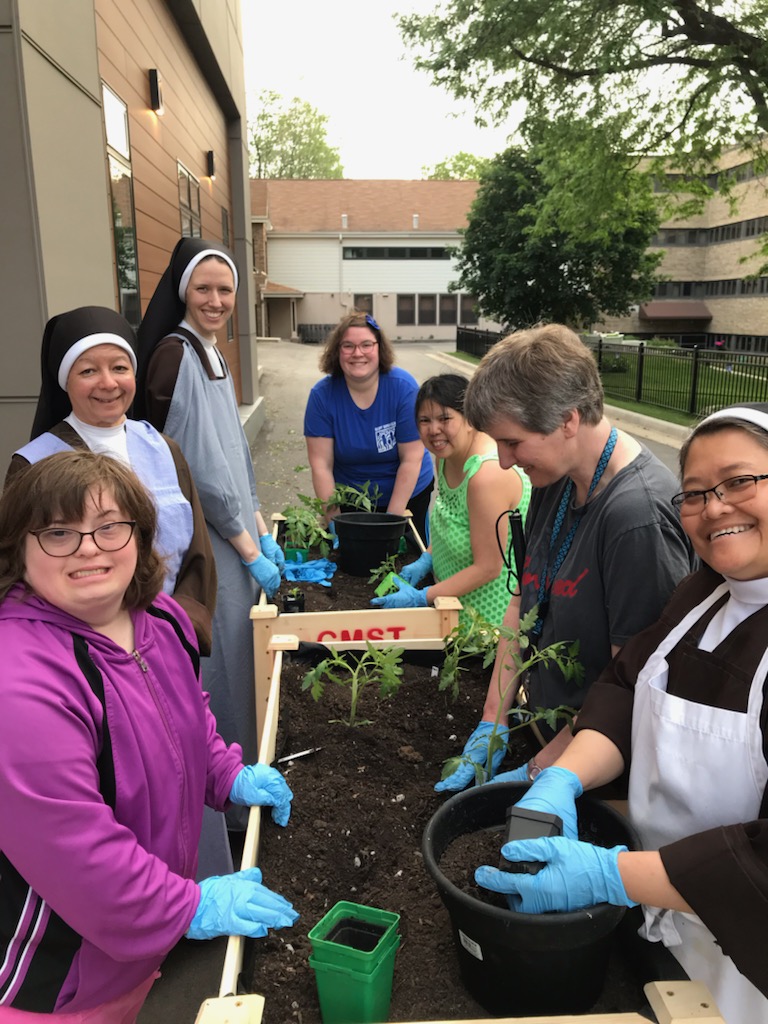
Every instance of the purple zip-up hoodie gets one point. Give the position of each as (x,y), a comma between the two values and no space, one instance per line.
(100,896)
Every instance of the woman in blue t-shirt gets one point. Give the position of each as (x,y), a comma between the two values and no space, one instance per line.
(359,423)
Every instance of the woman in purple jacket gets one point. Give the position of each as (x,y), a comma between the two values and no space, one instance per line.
(108,753)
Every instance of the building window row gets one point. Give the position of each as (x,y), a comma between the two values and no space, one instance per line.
(711,289)
(741,172)
(395,252)
(711,236)
(427,309)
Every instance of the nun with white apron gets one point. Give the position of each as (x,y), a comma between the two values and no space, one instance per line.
(683,709)
(185,389)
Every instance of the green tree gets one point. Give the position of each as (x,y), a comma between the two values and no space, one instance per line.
(525,265)
(460,167)
(288,140)
(684,77)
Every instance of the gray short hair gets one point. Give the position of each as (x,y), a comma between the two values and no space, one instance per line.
(536,377)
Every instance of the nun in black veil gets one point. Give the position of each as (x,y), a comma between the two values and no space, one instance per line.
(88,382)
(185,389)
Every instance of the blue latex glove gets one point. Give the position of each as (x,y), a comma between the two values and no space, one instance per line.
(317,570)
(238,904)
(577,875)
(405,596)
(272,550)
(415,572)
(332,531)
(266,574)
(260,785)
(476,749)
(516,775)
(555,792)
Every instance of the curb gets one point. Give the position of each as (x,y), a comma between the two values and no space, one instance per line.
(670,434)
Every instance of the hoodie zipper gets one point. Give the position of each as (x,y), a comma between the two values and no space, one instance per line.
(140,661)
(136,655)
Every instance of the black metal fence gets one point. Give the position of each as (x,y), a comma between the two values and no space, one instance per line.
(693,381)
(313,334)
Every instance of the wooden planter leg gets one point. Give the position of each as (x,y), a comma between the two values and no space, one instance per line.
(675,1002)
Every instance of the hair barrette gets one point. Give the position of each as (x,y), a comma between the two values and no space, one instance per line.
(371,322)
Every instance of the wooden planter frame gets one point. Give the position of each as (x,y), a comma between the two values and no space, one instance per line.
(412,628)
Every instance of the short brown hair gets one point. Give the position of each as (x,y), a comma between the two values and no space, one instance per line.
(329,358)
(57,488)
(536,377)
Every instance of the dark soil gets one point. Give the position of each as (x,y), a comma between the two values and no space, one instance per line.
(361,803)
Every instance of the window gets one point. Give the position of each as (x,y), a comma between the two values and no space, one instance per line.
(468,315)
(189,203)
(121,195)
(448,309)
(427,309)
(394,252)
(364,303)
(406,309)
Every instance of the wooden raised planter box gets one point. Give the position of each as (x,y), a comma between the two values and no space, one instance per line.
(412,628)
(672,1003)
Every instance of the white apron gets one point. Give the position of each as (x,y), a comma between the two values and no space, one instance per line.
(695,767)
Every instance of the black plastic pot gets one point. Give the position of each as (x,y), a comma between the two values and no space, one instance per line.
(293,603)
(366,539)
(518,964)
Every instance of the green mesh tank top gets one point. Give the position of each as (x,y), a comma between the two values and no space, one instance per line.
(451,548)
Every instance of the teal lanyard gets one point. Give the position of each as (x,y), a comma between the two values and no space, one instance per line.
(547,577)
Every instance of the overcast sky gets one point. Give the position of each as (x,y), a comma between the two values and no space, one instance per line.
(347,59)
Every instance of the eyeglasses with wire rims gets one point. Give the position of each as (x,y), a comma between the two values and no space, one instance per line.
(348,347)
(732,491)
(60,542)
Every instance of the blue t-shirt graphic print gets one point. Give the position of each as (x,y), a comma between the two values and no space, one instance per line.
(365,440)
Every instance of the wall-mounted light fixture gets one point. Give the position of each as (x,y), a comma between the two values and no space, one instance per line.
(156,92)
(415,221)
(210,164)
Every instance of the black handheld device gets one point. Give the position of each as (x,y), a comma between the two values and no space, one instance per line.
(525,824)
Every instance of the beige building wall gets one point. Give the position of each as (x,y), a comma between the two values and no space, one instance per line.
(56,249)
(742,319)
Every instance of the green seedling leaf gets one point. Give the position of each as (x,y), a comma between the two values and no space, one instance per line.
(520,656)
(382,666)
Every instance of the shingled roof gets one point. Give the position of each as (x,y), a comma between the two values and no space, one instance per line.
(294,206)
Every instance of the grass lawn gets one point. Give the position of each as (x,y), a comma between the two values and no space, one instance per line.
(667,382)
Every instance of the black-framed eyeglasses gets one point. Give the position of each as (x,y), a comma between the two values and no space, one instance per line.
(733,491)
(60,541)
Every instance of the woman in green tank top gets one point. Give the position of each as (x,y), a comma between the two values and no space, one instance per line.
(473,491)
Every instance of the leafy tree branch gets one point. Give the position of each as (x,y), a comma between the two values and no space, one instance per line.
(288,139)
